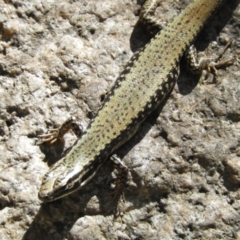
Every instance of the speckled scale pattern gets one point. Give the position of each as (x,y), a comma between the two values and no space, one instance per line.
(147,15)
(148,77)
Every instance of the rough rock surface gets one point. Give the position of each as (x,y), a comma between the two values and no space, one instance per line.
(58,59)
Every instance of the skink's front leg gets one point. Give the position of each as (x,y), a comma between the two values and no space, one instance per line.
(58,133)
(122,176)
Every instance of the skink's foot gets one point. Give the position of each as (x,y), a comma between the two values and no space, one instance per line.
(58,133)
(197,64)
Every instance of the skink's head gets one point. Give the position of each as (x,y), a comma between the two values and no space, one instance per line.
(62,180)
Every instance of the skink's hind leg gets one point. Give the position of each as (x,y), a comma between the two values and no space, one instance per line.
(147,16)
(58,133)
(197,64)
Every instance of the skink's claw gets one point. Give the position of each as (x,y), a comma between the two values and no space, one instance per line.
(50,137)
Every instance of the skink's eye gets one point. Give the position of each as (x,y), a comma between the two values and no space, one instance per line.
(70,185)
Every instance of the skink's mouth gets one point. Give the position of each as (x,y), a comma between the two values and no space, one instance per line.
(48,193)
(73,185)
(62,192)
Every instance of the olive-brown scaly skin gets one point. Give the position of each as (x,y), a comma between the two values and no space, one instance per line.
(146,80)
